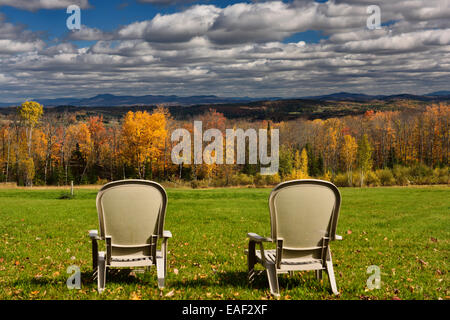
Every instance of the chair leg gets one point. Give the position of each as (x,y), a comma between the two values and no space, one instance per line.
(94,259)
(160,271)
(94,255)
(330,272)
(319,275)
(161,265)
(164,250)
(251,261)
(101,272)
(273,279)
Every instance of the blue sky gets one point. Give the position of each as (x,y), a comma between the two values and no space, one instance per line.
(227,48)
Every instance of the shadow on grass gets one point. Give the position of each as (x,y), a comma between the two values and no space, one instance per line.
(88,278)
(226,279)
(235,280)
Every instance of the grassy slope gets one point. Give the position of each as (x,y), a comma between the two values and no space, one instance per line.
(394,228)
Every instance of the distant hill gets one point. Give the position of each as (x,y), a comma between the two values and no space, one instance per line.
(327,106)
(439,94)
(110,100)
(344,96)
(358,97)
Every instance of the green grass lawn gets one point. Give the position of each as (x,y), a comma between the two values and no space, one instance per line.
(404,231)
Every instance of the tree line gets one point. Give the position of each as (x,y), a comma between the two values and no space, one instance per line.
(377,148)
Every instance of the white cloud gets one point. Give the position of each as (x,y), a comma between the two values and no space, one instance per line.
(11,46)
(239,50)
(177,27)
(89,34)
(33,5)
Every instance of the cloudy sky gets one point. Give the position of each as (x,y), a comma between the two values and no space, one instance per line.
(226,48)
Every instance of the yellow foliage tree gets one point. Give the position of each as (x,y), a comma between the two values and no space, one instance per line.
(29,113)
(143,136)
(348,154)
(300,170)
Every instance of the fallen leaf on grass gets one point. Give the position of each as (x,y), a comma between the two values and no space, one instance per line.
(423,262)
(135,296)
(171,293)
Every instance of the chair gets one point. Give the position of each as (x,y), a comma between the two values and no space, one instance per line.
(303,215)
(131,219)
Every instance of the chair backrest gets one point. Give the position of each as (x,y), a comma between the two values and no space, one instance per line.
(303,214)
(132,213)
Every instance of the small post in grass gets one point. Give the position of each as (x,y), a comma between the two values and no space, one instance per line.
(71,188)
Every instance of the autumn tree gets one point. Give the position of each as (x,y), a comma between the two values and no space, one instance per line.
(50,127)
(364,156)
(348,155)
(29,114)
(300,170)
(143,137)
(78,138)
(98,146)
(6,137)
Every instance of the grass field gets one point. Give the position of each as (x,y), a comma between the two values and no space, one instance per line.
(404,231)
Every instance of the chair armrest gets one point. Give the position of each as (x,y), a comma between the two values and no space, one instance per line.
(93,234)
(257,238)
(167,234)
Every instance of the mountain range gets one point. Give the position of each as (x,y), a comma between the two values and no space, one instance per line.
(110,100)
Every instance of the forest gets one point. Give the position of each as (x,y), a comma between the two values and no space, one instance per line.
(399,147)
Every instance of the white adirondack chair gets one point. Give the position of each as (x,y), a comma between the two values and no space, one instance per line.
(303,215)
(131,218)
